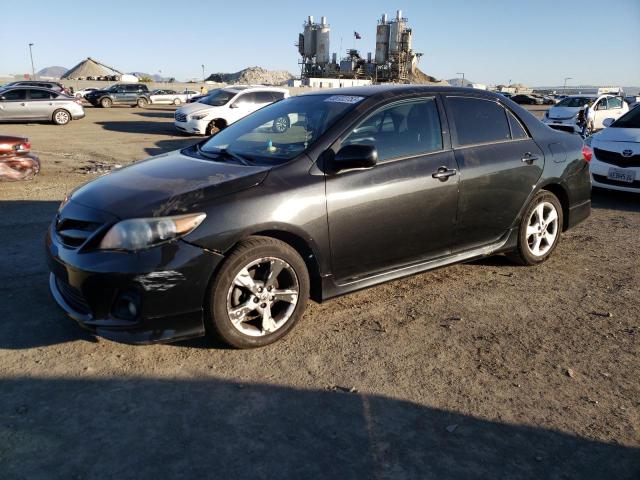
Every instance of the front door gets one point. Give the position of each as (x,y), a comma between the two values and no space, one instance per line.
(499,165)
(611,107)
(395,213)
(13,105)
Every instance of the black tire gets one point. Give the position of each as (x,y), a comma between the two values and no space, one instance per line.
(524,254)
(177,101)
(142,102)
(106,102)
(218,321)
(61,117)
(281,124)
(212,128)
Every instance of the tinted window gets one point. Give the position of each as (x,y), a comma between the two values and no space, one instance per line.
(517,131)
(131,88)
(264,97)
(247,98)
(631,119)
(20,94)
(574,102)
(401,130)
(41,94)
(478,121)
(218,98)
(277,96)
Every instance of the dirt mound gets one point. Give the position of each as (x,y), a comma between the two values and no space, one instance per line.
(419,77)
(253,76)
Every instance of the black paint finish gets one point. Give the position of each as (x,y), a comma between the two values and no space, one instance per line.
(354,228)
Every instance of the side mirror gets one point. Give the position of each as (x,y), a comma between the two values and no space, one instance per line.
(608,121)
(234,105)
(355,156)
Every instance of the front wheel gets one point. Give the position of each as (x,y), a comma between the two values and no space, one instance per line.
(142,102)
(259,294)
(61,117)
(540,230)
(106,102)
(177,101)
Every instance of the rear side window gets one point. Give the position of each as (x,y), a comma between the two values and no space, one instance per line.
(131,88)
(41,95)
(478,121)
(277,96)
(401,130)
(15,94)
(247,98)
(517,131)
(264,97)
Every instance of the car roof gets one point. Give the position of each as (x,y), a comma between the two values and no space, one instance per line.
(254,88)
(389,90)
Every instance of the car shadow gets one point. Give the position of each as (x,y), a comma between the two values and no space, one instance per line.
(138,127)
(164,146)
(148,428)
(155,114)
(615,200)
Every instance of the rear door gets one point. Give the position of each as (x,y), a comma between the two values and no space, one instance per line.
(395,213)
(499,165)
(13,104)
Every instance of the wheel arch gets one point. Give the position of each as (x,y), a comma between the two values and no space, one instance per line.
(220,123)
(560,191)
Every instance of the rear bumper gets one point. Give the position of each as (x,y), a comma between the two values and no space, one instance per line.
(78,115)
(167,284)
(579,213)
(564,125)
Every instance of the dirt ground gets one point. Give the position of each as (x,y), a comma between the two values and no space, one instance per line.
(482,370)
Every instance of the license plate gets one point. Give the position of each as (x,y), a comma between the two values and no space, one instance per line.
(621,175)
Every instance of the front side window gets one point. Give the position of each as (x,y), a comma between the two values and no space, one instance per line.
(13,95)
(479,121)
(40,95)
(573,102)
(247,98)
(615,102)
(259,138)
(403,129)
(264,97)
(218,98)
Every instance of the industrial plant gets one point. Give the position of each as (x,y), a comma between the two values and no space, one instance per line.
(394,59)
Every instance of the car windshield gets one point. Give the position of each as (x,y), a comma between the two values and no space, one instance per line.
(631,119)
(218,98)
(574,102)
(282,130)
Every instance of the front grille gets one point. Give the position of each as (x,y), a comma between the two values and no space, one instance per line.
(72,296)
(618,183)
(180,117)
(615,158)
(74,233)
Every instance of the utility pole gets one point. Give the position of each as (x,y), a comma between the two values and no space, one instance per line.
(203,73)
(33,70)
(564,88)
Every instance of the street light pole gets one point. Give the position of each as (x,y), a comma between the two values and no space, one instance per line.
(33,70)
(564,88)
(461,73)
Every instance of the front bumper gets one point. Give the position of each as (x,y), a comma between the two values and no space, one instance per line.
(566,125)
(167,284)
(198,127)
(600,172)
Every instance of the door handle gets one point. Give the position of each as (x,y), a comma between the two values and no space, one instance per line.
(443,173)
(23,104)
(529,158)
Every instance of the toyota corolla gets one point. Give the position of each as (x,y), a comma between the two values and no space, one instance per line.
(233,235)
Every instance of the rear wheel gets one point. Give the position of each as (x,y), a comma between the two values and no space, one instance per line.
(106,102)
(259,294)
(61,117)
(281,124)
(177,101)
(142,102)
(539,231)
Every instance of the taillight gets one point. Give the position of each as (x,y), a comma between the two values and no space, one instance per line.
(587,153)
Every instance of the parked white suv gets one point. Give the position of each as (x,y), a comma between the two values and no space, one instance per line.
(224,106)
(564,115)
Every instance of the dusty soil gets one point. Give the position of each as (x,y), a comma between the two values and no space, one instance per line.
(483,370)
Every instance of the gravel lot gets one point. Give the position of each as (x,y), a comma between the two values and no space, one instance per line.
(483,370)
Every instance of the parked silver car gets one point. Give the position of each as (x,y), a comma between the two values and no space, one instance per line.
(33,104)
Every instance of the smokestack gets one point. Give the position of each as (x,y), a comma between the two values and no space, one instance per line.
(384,18)
(334,58)
(323,21)
(310,19)
(399,15)
(369,57)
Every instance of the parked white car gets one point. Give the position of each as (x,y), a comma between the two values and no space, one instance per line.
(225,106)
(171,96)
(615,161)
(83,92)
(564,115)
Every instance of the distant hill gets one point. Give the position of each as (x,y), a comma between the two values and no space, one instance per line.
(52,72)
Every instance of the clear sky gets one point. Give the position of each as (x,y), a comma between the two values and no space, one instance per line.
(493,41)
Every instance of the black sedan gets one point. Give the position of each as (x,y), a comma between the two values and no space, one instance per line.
(233,235)
(527,100)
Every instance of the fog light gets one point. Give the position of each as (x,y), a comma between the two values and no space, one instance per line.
(126,306)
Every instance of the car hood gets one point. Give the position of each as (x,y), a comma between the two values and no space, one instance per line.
(167,184)
(191,108)
(563,112)
(614,134)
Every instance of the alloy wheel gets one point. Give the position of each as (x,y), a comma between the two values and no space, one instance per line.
(263,296)
(542,229)
(61,117)
(280,124)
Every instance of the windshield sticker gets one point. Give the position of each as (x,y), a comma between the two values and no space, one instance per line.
(343,99)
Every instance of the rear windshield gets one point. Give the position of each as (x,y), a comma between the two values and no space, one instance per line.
(574,102)
(630,119)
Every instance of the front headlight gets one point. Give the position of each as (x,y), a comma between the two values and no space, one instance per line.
(140,233)
(199,116)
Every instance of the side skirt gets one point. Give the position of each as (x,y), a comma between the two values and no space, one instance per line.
(331,289)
